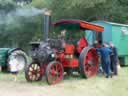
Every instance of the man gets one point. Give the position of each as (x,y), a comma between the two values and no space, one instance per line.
(97,44)
(114,58)
(105,58)
(13,65)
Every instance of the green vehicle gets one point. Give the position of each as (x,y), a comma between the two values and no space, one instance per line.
(8,55)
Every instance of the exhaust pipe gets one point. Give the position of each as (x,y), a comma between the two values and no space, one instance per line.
(47,23)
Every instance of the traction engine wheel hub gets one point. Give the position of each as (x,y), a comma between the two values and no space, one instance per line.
(89,62)
(54,72)
(34,72)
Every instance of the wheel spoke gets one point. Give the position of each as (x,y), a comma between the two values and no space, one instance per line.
(30,68)
(90,62)
(29,73)
(34,72)
(55,73)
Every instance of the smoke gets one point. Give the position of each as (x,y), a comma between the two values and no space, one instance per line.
(29,12)
(10,17)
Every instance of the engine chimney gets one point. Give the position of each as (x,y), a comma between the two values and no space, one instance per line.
(47,22)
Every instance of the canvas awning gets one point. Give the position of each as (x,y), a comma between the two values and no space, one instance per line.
(79,24)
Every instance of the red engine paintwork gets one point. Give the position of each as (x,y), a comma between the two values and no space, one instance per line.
(67,58)
(69,49)
(70,63)
(60,56)
(82,44)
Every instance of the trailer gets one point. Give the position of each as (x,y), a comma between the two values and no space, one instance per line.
(116,33)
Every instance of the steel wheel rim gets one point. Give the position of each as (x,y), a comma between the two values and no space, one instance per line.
(19,59)
(91,63)
(55,73)
(34,71)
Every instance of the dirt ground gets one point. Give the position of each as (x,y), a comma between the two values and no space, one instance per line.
(70,86)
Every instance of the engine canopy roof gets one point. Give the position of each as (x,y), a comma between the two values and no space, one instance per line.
(78,24)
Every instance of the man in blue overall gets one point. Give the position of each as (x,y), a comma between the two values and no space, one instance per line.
(105,52)
(114,58)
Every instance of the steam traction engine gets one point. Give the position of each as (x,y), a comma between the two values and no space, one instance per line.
(53,57)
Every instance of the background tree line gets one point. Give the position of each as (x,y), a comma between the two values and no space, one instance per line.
(18,31)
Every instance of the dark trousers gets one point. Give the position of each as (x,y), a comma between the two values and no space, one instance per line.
(114,65)
(106,66)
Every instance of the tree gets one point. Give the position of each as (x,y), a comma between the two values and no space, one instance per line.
(111,10)
(73,8)
(16,25)
(23,29)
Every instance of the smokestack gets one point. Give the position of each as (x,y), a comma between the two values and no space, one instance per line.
(47,22)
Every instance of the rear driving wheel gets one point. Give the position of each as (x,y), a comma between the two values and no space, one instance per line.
(89,62)
(34,72)
(54,72)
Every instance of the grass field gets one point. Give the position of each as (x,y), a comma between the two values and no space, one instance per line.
(70,86)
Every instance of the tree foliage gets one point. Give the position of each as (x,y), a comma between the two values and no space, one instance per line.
(72,8)
(16,30)
(20,30)
(111,10)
